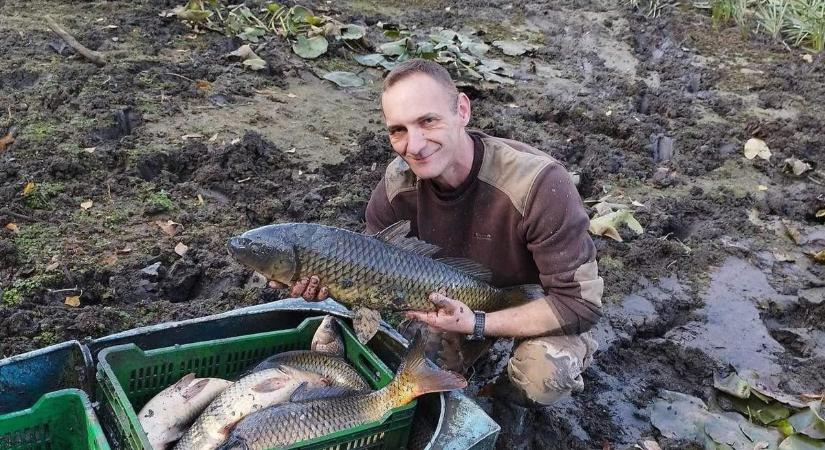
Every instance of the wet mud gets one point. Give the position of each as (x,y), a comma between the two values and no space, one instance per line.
(651,110)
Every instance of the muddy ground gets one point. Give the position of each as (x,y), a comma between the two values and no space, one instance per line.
(714,280)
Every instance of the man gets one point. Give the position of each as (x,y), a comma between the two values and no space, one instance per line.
(500,203)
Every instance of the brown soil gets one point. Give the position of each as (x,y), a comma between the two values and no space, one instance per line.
(241,149)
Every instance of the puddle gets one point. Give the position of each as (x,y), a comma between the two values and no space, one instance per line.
(733,331)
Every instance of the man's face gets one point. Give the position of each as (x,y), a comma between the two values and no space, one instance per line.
(426,123)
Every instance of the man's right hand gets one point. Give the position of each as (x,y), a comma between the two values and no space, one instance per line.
(308,288)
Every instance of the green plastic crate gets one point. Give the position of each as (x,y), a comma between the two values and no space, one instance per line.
(128,377)
(60,420)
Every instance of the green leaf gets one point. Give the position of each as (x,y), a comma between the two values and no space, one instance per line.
(425,47)
(444,36)
(274,7)
(300,14)
(255,63)
(806,422)
(252,34)
(394,48)
(372,60)
(732,384)
(353,32)
(344,79)
(797,442)
(310,48)
(478,49)
(755,409)
(514,48)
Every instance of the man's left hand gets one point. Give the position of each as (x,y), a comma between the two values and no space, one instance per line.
(450,315)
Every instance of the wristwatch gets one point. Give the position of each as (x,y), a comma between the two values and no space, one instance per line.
(478,329)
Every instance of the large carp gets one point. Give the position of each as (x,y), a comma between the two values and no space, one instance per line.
(336,369)
(387,271)
(315,414)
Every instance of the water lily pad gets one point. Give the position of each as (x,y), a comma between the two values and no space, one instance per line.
(444,36)
(352,32)
(252,34)
(809,422)
(514,48)
(797,442)
(395,48)
(344,79)
(372,60)
(756,409)
(478,49)
(310,48)
(732,384)
(300,14)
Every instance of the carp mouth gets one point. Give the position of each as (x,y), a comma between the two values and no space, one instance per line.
(274,260)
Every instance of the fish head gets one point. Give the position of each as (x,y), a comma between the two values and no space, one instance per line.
(265,251)
(327,338)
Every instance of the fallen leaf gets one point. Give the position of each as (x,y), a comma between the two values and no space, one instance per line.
(124,251)
(808,58)
(90,149)
(250,59)
(310,48)
(637,203)
(796,166)
(818,256)
(110,260)
(54,264)
(87,204)
(344,79)
(792,231)
(203,85)
(5,141)
(73,300)
(783,256)
(608,224)
(29,187)
(762,187)
(753,217)
(169,227)
(11,226)
(200,200)
(650,445)
(191,136)
(181,248)
(757,147)
(820,213)
(514,48)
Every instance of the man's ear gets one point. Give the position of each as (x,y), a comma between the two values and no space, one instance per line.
(463,109)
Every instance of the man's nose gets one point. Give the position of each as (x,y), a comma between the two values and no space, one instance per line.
(416,141)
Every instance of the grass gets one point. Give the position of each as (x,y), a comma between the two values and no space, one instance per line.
(160,202)
(800,23)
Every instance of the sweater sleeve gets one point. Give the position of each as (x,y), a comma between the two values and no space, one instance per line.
(556,229)
(379,214)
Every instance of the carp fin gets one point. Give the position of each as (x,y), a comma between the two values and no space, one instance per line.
(305,394)
(194,389)
(185,381)
(365,321)
(523,293)
(396,235)
(469,267)
(421,376)
(269,385)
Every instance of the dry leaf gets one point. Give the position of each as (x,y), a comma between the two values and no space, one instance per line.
(608,224)
(54,264)
(203,85)
(181,248)
(796,166)
(29,187)
(87,204)
(651,445)
(762,187)
(110,260)
(820,213)
(818,256)
(200,200)
(11,226)
(792,231)
(73,300)
(753,216)
(90,149)
(808,58)
(757,147)
(5,141)
(783,256)
(124,251)
(191,136)
(169,227)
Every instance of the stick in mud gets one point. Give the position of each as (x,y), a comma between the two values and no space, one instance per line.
(93,56)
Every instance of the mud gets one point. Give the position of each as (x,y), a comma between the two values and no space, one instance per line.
(653,110)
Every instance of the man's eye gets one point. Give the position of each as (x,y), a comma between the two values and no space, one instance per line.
(429,120)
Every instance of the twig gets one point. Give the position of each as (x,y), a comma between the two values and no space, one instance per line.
(57,291)
(93,56)
(17,215)
(179,76)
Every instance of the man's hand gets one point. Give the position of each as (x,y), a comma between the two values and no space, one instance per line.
(450,315)
(308,288)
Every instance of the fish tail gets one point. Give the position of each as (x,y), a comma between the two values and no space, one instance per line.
(416,377)
(233,443)
(523,293)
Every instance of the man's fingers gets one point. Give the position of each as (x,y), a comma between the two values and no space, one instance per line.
(323,293)
(299,287)
(277,285)
(442,302)
(312,288)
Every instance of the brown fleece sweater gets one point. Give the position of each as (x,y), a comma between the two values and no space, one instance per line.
(518,213)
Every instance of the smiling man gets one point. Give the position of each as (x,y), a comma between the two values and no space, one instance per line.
(500,203)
